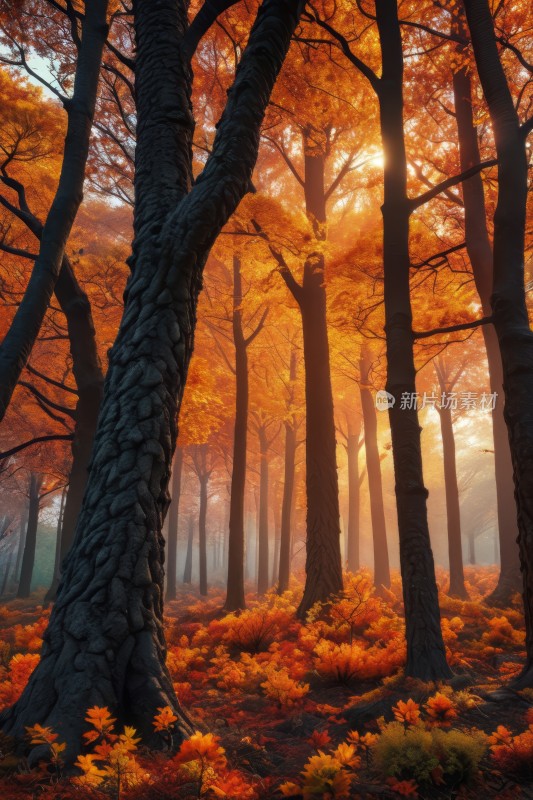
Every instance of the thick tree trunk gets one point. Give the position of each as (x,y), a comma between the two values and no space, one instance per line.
(173,516)
(375,484)
(509,309)
(453,514)
(480,254)
(28,559)
(235,589)
(426,657)
(105,642)
(187,571)
(263,582)
(18,343)
(202,534)
(354,495)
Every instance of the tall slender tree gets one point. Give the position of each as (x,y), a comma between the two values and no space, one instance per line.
(236,547)
(173,518)
(373,468)
(508,300)
(480,254)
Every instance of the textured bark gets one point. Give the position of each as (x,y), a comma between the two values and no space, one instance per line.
(480,254)
(263,583)
(373,468)
(426,658)
(173,516)
(235,588)
(187,571)
(105,642)
(354,495)
(28,559)
(508,300)
(18,342)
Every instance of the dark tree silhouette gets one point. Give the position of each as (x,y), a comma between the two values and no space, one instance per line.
(105,642)
(508,300)
(479,251)
(20,338)
(235,587)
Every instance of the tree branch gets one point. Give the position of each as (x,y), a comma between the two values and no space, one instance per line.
(416,202)
(53,437)
(463,326)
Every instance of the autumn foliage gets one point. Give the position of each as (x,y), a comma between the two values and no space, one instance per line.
(267,691)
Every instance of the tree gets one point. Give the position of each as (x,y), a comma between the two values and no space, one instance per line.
(480,253)
(105,637)
(373,467)
(447,380)
(172,541)
(263,426)
(19,340)
(509,309)
(200,457)
(235,586)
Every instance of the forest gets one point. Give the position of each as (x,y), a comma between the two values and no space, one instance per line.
(266,399)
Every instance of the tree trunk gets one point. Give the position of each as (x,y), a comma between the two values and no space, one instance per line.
(472,550)
(263,582)
(202,534)
(187,572)
(49,596)
(323,566)
(172,540)
(480,254)
(277,538)
(19,340)
(453,514)
(426,657)
(28,559)
(7,570)
(509,309)
(105,641)
(354,496)
(235,589)
(22,542)
(375,485)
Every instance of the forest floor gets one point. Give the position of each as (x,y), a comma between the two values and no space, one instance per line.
(320,710)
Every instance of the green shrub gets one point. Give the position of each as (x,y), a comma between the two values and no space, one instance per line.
(427,756)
